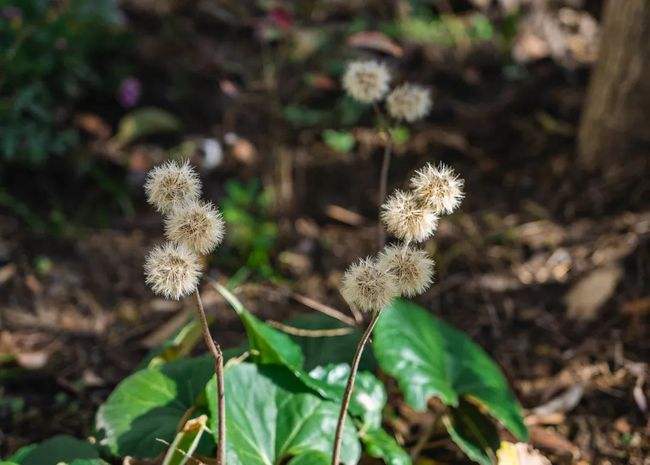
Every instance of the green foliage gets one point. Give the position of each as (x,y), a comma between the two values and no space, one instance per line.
(474,433)
(148,405)
(379,444)
(144,122)
(341,141)
(276,417)
(251,233)
(52,55)
(430,358)
(56,450)
(186,442)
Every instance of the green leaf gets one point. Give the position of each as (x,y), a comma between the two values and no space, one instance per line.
(272,416)
(368,398)
(381,445)
(271,346)
(186,442)
(320,351)
(474,433)
(341,141)
(148,405)
(88,462)
(144,122)
(430,358)
(55,450)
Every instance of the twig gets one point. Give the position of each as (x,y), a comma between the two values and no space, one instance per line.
(347,395)
(326,309)
(383,186)
(215,349)
(309,332)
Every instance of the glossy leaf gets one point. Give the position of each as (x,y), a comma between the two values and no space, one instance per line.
(473,432)
(54,451)
(147,406)
(272,416)
(430,358)
(368,398)
(381,445)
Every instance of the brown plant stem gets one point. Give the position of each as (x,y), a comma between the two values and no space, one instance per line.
(215,350)
(347,395)
(383,186)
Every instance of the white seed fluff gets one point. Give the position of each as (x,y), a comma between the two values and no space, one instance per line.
(407,219)
(412,268)
(196,224)
(172,270)
(367,287)
(439,187)
(170,184)
(366,81)
(409,102)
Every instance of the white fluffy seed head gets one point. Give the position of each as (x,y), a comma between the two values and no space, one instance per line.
(367,287)
(172,270)
(438,187)
(409,102)
(407,219)
(171,184)
(366,81)
(196,224)
(412,268)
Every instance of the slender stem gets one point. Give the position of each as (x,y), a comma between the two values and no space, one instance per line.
(347,395)
(383,185)
(215,350)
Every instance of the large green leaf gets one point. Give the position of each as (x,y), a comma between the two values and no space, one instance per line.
(275,347)
(272,416)
(379,444)
(147,406)
(54,451)
(368,397)
(474,433)
(321,351)
(187,440)
(430,358)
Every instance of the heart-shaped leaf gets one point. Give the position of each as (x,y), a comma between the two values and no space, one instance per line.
(272,416)
(147,406)
(430,358)
(473,432)
(274,347)
(56,450)
(379,444)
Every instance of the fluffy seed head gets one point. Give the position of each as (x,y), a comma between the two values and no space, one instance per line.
(172,270)
(407,219)
(367,287)
(409,102)
(170,184)
(439,187)
(412,268)
(196,224)
(366,81)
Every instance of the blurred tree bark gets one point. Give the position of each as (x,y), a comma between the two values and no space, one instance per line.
(616,116)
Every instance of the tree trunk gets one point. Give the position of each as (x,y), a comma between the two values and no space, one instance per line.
(616,116)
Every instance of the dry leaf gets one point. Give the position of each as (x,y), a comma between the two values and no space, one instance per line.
(587,296)
(376,41)
(520,454)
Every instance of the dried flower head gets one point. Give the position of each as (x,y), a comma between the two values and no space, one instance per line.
(196,224)
(407,219)
(172,270)
(367,287)
(171,184)
(366,81)
(412,268)
(409,102)
(439,187)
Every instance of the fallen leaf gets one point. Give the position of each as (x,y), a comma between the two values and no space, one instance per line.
(586,297)
(520,454)
(375,40)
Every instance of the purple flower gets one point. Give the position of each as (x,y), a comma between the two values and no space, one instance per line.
(129,92)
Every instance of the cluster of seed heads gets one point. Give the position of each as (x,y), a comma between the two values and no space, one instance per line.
(411,216)
(192,227)
(369,82)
